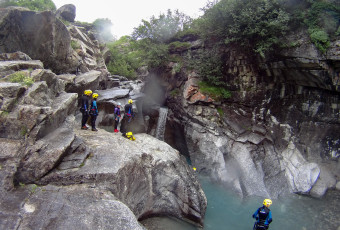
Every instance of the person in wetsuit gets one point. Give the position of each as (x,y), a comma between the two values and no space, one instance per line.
(263,216)
(94,111)
(117,117)
(84,109)
(128,115)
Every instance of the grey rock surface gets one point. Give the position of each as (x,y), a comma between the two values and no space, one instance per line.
(69,207)
(42,37)
(147,175)
(67,12)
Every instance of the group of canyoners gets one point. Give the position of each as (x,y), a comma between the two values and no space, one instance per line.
(89,108)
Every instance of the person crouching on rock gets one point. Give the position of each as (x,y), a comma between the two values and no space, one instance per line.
(94,111)
(117,117)
(84,109)
(263,216)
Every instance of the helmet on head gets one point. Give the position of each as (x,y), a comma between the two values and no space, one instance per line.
(130,101)
(267,202)
(119,104)
(95,95)
(88,92)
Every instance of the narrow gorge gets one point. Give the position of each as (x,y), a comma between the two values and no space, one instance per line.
(275,135)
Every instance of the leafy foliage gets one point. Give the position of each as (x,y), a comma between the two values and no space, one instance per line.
(177,46)
(21,77)
(323,21)
(320,38)
(75,45)
(216,92)
(36,5)
(125,58)
(255,24)
(209,64)
(163,28)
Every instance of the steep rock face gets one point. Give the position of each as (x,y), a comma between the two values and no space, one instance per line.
(38,34)
(278,128)
(41,35)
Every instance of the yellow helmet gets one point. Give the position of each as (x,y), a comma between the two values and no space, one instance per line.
(130,101)
(95,95)
(130,136)
(267,202)
(88,92)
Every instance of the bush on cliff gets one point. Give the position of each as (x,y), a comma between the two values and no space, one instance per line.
(36,5)
(323,21)
(216,92)
(125,57)
(254,24)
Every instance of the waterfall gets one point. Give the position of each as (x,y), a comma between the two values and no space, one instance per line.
(160,129)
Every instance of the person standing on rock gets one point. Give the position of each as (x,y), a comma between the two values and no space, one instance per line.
(128,115)
(128,110)
(117,117)
(94,111)
(263,216)
(84,109)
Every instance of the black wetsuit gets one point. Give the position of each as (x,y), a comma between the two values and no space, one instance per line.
(84,109)
(94,113)
(263,218)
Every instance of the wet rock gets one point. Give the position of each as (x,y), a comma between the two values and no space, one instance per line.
(325,181)
(301,174)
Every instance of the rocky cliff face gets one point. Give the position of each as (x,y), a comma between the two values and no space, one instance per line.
(277,133)
(54,175)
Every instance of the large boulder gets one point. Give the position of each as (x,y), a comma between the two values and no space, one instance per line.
(67,12)
(70,207)
(147,175)
(40,35)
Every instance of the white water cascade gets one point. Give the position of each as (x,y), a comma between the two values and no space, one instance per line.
(160,129)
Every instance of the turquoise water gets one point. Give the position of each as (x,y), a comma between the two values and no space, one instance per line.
(226,211)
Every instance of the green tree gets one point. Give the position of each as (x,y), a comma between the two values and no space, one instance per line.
(163,28)
(36,5)
(125,58)
(254,24)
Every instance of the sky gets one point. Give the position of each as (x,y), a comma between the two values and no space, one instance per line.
(127,14)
